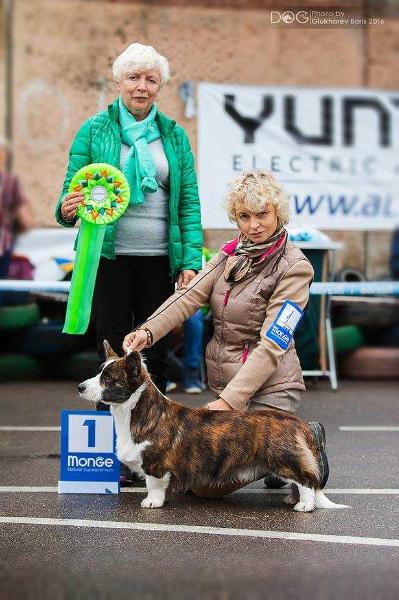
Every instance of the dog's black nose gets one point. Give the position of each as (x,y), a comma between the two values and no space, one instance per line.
(81,388)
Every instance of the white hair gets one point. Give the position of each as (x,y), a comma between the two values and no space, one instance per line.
(138,57)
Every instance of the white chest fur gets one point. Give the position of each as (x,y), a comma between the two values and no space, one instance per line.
(127,450)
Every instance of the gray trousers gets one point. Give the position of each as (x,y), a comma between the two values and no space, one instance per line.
(288,400)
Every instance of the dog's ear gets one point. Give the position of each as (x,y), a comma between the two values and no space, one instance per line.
(133,364)
(109,353)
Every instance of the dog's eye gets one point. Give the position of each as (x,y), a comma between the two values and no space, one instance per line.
(106,380)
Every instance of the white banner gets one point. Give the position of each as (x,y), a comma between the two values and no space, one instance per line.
(334,150)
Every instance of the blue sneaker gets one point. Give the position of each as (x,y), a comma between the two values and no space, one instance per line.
(171,386)
(191,382)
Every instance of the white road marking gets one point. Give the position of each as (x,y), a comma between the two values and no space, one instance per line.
(371,428)
(27,488)
(28,428)
(348,491)
(222,531)
(143,490)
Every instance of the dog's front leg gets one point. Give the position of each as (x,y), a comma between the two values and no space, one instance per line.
(306,499)
(156,491)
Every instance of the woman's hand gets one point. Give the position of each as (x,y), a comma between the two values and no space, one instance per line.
(218,404)
(136,340)
(184,278)
(70,205)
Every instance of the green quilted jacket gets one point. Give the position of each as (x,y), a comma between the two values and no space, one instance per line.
(99,140)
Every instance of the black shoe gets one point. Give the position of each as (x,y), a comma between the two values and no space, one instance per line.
(274,482)
(126,477)
(319,436)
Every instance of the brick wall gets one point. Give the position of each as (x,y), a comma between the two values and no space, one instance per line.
(63,51)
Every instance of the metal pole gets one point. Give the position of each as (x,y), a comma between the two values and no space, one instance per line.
(331,356)
(366,237)
(365,83)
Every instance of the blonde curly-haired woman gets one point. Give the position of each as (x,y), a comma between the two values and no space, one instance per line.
(257,287)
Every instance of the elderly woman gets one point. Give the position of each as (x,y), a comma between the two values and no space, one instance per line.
(257,287)
(159,238)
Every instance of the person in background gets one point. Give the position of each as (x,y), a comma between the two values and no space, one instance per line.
(158,241)
(257,287)
(192,358)
(394,257)
(15,213)
(191,380)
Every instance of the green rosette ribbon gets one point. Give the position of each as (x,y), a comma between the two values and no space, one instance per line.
(107,193)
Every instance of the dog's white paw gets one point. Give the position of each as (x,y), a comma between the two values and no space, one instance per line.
(152,502)
(304,506)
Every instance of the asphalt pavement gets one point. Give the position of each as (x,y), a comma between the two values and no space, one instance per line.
(246,545)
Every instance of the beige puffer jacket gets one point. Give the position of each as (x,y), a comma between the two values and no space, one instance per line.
(243,363)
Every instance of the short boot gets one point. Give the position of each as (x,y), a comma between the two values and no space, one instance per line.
(127,478)
(319,436)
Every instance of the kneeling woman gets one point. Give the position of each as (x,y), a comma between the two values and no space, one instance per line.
(257,287)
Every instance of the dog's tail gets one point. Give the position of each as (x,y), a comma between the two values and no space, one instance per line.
(321,501)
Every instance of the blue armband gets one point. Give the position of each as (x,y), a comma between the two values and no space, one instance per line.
(281,331)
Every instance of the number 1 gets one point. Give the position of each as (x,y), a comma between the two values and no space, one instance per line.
(91,430)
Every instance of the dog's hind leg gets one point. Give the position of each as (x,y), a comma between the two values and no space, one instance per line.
(307,498)
(156,491)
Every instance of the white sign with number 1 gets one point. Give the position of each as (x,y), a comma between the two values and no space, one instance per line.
(88,461)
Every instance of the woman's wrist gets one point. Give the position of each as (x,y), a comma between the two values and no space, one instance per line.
(68,220)
(149,336)
(64,214)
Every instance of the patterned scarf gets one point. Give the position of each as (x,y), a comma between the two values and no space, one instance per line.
(240,264)
(139,166)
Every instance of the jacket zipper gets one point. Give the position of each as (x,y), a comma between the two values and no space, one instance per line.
(225,300)
(246,345)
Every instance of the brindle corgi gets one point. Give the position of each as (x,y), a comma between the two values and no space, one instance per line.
(171,444)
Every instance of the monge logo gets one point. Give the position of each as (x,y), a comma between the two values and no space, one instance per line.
(89,462)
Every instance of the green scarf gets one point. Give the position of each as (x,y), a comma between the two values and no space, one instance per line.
(139,167)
